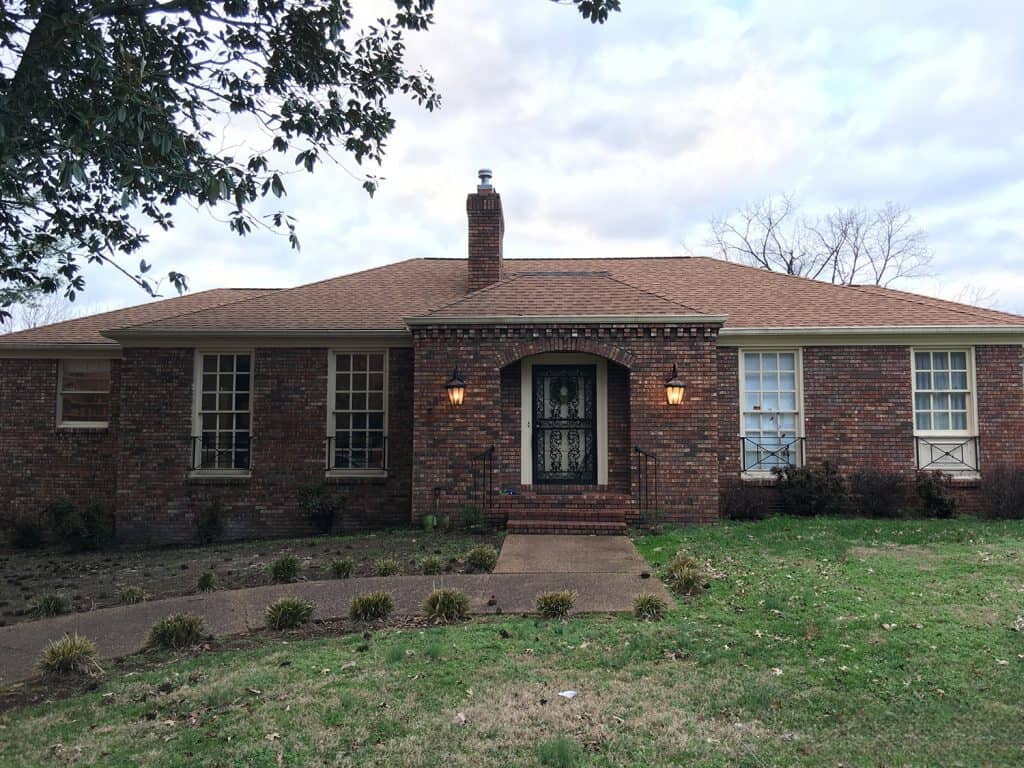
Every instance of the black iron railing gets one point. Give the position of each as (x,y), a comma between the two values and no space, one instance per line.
(761,456)
(949,454)
(223,451)
(481,466)
(647,484)
(373,455)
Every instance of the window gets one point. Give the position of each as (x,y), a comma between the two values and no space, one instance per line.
(223,412)
(769,410)
(84,398)
(357,432)
(944,434)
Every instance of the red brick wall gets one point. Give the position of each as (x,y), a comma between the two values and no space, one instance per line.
(486,231)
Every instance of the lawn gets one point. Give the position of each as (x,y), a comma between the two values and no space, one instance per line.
(818,642)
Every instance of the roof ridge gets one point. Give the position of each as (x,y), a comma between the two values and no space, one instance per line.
(656,295)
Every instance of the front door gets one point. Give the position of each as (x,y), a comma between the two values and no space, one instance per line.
(565,424)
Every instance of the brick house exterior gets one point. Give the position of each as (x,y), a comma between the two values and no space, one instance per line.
(246,397)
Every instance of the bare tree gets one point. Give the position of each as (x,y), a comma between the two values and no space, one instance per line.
(847,246)
(36,310)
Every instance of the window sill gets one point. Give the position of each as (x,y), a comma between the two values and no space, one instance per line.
(344,475)
(74,426)
(222,476)
(759,478)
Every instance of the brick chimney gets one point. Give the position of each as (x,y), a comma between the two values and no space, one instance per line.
(486,231)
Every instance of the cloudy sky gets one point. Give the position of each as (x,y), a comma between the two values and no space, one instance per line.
(624,139)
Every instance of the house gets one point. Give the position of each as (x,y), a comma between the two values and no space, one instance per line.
(555,395)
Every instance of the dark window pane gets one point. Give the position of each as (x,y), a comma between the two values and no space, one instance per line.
(242,364)
(85,407)
(358,362)
(242,382)
(227,363)
(209,363)
(344,363)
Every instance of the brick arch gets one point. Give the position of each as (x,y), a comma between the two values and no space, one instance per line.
(519,350)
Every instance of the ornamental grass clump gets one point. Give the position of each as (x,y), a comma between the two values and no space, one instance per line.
(446,606)
(431,565)
(372,606)
(555,605)
(342,568)
(132,595)
(482,558)
(51,605)
(288,613)
(683,576)
(71,655)
(207,581)
(285,569)
(648,607)
(386,566)
(177,632)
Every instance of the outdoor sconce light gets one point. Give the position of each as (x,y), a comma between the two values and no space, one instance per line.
(675,390)
(456,387)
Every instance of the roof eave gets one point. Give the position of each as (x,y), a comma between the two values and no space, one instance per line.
(467,320)
(884,335)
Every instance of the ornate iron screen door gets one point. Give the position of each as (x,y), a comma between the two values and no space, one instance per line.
(565,424)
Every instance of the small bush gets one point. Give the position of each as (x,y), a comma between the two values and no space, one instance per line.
(371,607)
(933,491)
(471,517)
(1002,493)
(288,613)
(555,605)
(71,655)
(51,605)
(482,558)
(321,504)
(386,566)
(207,581)
(210,523)
(445,522)
(648,607)
(683,576)
(875,493)
(431,565)
(558,753)
(742,501)
(285,569)
(81,529)
(810,492)
(27,532)
(446,605)
(133,595)
(177,632)
(342,568)
(429,521)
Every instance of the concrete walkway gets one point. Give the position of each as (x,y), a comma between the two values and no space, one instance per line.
(558,553)
(122,630)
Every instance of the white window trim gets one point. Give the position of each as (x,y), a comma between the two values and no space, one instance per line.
(332,362)
(61,423)
(954,434)
(761,474)
(197,394)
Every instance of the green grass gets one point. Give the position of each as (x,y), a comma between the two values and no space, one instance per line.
(785,661)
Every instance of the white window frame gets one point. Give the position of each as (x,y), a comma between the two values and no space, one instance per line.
(798,364)
(954,435)
(60,396)
(197,395)
(331,427)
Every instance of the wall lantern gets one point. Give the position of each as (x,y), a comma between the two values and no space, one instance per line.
(675,390)
(456,387)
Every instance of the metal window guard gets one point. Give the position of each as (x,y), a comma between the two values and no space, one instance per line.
(482,469)
(198,451)
(782,454)
(645,462)
(379,443)
(951,454)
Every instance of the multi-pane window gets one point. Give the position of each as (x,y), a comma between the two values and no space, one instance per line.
(359,439)
(941,391)
(770,410)
(84,398)
(224,412)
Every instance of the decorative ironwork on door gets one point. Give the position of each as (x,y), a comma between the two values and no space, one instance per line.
(565,424)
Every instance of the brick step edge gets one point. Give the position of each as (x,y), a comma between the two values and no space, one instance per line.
(569,514)
(566,526)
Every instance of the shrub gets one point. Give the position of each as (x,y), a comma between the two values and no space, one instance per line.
(809,492)
(431,565)
(445,522)
(558,753)
(875,493)
(285,569)
(371,606)
(321,505)
(446,605)
(207,581)
(210,522)
(27,532)
(933,491)
(81,529)
(132,595)
(288,613)
(471,517)
(1002,493)
(429,521)
(342,568)
(177,632)
(386,566)
(648,607)
(482,558)
(555,605)
(742,501)
(72,654)
(683,576)
(51,605)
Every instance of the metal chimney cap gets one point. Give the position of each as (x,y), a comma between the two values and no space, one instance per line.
(485,178)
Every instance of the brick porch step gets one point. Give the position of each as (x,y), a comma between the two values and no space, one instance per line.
(566,513)
(608,527)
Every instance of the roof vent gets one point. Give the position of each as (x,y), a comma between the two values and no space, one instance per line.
(485,178)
